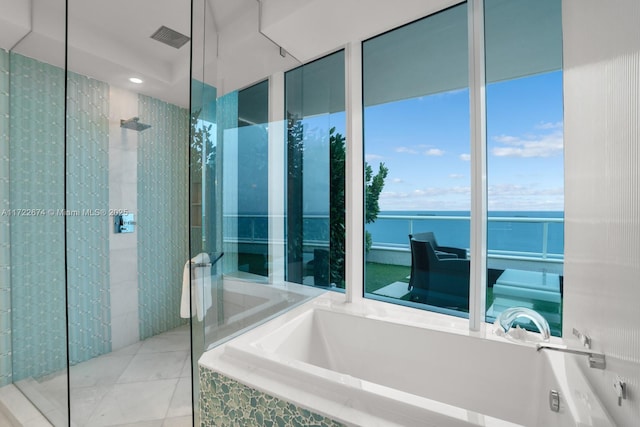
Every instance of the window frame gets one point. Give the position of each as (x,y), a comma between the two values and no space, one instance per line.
(354,162)
(355,167)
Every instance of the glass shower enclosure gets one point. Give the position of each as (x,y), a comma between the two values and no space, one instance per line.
(94,224)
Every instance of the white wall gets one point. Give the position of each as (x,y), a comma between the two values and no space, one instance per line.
(308,30)
(602,189)
(311,28)
(15,21)
(123,194)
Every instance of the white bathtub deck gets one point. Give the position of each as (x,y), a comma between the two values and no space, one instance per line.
(370,363)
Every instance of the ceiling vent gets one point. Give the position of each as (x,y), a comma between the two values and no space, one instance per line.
(170,37)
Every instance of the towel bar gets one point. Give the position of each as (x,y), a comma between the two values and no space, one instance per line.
(200,264)
(206,264)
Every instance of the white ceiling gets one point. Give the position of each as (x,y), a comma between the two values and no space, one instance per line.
(110,40)
(107,40)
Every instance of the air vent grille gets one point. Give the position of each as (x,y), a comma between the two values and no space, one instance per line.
(170,37)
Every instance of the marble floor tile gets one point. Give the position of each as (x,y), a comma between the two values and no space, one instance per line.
(134,402)
(181,401)
(153,423)
(146,384)
(186,368)
(154,366)
(166,342)
(178,422)
(85,402)
(184,329)
(102,370)
(128,350)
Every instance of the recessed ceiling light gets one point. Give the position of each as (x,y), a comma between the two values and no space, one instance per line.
(135,80)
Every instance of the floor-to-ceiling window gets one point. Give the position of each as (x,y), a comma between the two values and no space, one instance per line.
(525,226)
(418,161)
(315,104)
(416,136)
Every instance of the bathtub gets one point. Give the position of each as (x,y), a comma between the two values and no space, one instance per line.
(375,364)
(238,305)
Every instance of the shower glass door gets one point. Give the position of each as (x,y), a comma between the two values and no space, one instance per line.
(127,145)
(32,193)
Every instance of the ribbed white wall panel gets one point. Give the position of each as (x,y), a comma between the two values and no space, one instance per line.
(602,191)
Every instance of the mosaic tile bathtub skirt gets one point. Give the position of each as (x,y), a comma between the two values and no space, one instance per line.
(227,403)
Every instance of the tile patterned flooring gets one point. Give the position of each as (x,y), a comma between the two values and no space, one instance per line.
(147,384)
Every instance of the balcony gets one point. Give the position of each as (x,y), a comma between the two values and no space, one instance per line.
(518,243)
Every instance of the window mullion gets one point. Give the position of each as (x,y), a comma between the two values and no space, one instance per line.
(354,171)
(478,238)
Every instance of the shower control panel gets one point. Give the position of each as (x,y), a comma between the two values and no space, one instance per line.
(124,223)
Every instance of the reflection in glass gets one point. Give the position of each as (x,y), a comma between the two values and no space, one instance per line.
(416,132)
(253,178)
(316,125)
(237,180)
(233,189)
(525,174)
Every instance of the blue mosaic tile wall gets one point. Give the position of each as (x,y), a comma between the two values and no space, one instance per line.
(37,277)
(5,276)
(88,280)
(227,403)
(162,224)
(36,153)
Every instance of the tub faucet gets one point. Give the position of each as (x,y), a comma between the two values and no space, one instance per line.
(596,360)
(506,319)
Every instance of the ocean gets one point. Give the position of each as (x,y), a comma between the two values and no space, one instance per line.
(519,235)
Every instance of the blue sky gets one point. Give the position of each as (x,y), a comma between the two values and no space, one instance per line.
(425,144)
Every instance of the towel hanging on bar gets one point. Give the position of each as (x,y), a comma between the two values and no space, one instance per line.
(196,279)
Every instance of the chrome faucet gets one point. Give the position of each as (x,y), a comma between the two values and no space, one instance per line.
(509,316)
(596,360)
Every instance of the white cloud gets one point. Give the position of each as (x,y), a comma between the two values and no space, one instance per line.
(434,152)
(454,198)
(406,150)
(506,139)
(427,192)
(456,176)
(502,190)
(530,146)
(525,197)
(519,197)
(549,125)
(465,157)
(440,191)
(372,157)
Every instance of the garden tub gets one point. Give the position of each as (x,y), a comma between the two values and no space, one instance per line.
(375,364)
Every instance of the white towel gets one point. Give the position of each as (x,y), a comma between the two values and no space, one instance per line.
(200,280)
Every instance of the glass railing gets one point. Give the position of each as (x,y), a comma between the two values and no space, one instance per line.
(510,238)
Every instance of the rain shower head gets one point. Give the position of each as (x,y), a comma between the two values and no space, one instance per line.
(134,124)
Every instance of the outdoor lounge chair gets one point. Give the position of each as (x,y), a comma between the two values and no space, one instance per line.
(442,251)
(439,274)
